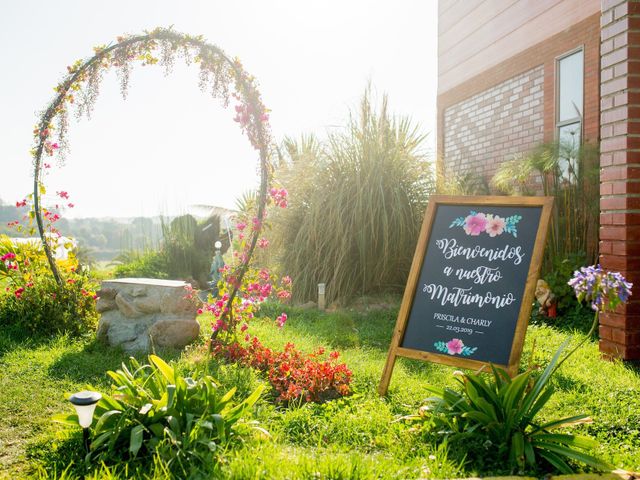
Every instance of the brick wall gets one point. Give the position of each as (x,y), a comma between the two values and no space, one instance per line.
(620,168)
(585,33)
(490,127)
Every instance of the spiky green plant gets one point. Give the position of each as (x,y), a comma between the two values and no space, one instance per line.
(356,205)
(503,413)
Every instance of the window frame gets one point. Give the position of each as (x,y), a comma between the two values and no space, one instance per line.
(579,119)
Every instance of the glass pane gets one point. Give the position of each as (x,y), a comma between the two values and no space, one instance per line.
(570,72)
(569,146)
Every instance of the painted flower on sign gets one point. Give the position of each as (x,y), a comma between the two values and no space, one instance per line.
(495,225)
(476,223)
(455,346)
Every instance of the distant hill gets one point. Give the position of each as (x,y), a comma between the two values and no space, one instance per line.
(106,237)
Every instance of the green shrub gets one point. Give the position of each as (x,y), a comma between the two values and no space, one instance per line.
(495,422)
(558,277)
(186,252)
(575,188)
(155,414)
(150,264)
(32,302)
(356,204)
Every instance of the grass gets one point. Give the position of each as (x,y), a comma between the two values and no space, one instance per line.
(357,437)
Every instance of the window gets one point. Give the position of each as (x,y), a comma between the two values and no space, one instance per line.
(569,106)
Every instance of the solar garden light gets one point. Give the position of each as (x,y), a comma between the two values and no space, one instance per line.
(85,404)
(321,299)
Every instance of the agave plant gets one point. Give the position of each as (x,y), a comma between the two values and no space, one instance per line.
(502,412)
(155,412)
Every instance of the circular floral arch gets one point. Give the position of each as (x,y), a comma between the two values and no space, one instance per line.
(222,76)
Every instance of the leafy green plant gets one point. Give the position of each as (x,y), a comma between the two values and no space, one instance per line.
(32,301)
(149,264)
(187,423)
(501,414)
(185,253)
(356,205)
(568,171)
(562,269)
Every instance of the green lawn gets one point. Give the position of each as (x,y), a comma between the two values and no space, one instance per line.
(356,437)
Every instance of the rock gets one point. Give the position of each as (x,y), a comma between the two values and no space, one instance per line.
(126,306)
(174,333)
(136,312)
(107,293)
(105,304)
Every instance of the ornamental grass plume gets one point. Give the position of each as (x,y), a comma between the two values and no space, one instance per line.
(604,290)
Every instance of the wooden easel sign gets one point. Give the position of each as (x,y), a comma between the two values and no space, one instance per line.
(472,281)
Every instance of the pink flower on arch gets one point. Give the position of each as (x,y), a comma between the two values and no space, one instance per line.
(475,224)
(455,346)
(495,225)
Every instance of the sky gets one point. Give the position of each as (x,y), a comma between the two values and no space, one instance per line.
(169,145)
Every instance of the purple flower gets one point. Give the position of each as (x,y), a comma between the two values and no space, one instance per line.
(604,290)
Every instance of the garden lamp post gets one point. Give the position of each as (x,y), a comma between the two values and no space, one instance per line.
(85,404)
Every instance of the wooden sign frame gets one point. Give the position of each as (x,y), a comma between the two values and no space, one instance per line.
(396,350)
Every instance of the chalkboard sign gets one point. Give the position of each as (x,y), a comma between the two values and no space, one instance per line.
(470,290)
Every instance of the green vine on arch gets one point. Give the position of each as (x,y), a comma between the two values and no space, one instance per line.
(222,76)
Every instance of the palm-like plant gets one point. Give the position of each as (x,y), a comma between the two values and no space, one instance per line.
(568,171)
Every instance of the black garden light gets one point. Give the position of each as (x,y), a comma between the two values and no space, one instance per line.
(85,404)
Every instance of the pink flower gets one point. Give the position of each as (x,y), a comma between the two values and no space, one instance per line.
(454,346)
(70,205)
(18,292)
(244,327)
(475,224)
(241,226)
(263,243)
(284,295)
(495,225)
(286,280)
(63,194)
(281,320)
(8,256)
(23,203)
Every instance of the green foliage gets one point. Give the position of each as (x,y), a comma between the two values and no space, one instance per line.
(32,302)
(558,277)
(500,415)
(186,252)
(149,264)
(357,437)
(574,184)
(469,183)
(356,205)
(188,423)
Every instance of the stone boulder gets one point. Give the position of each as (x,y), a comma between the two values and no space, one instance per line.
(136,313)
